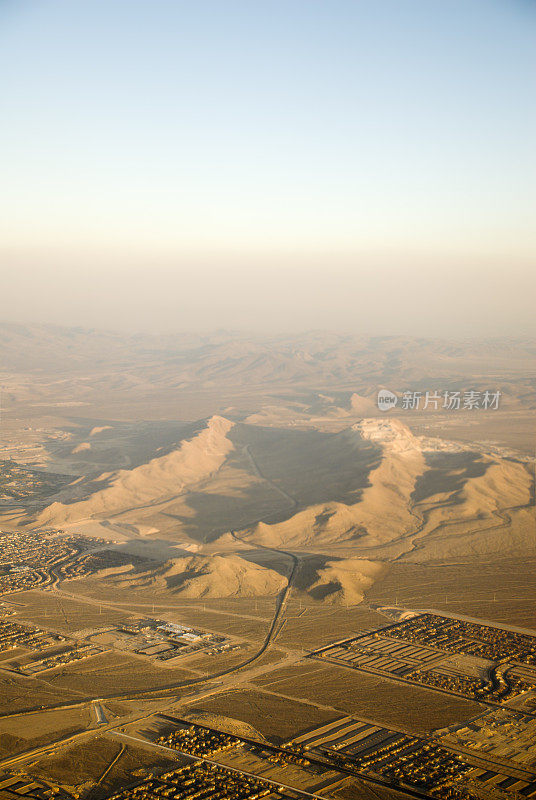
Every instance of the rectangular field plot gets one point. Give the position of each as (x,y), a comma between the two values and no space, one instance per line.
(349,737)
(393,647)
(451,655)
(381,653)
(396,756)
(505,736)
(488,779)
(460,636)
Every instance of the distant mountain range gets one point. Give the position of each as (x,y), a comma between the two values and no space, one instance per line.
(222,358)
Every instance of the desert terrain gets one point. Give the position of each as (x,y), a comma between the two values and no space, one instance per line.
(187,521)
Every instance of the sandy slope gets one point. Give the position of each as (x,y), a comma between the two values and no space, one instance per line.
(505,484)
(489,515)
(463,514)
(160,478)
(99,429)
(383,512)
(338,581)
(424,500)
(80,448)
(205,576)
(344,581)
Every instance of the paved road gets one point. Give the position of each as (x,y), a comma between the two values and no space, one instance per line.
(272,632)
(259,474)
(49,749)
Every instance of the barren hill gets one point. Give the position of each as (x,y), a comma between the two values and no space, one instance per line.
(383,512)
(343,581)
(156,481)
(426,499)
(205,576)
(336,581)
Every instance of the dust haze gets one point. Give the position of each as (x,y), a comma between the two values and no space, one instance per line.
(369,293)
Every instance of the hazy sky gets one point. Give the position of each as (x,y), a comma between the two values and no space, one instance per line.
(358,164)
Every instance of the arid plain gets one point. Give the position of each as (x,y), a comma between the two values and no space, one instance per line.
(217,512)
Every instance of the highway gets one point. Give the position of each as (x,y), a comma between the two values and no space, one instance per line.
(54,747)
